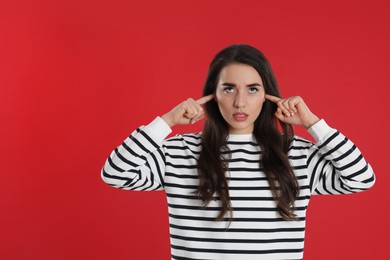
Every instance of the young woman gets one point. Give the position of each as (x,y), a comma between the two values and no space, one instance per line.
(239,189)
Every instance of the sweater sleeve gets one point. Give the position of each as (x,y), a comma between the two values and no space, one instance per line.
(139,162)
(335,164)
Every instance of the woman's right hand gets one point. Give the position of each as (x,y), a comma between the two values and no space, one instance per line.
(187,112)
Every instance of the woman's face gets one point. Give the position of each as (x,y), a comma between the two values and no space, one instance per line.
(240,97)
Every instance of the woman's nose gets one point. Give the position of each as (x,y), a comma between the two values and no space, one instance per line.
(239,100)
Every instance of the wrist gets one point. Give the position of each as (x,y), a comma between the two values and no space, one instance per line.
(167,120)
(314,119)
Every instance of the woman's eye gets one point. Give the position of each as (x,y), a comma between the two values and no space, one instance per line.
(253,90)
(228,90)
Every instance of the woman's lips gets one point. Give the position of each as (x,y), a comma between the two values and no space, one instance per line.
(240,117)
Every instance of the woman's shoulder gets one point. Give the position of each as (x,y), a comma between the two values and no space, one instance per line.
(187,139)
(299,148)
(299,142)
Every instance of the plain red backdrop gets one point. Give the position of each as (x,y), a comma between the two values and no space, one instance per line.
(78,76)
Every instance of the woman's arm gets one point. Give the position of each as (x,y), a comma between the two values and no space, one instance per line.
(139,162)
(335,164)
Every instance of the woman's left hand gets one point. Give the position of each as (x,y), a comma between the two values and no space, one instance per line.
(293,110)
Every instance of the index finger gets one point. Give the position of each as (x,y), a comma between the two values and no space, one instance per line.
(272,98)
(205,99)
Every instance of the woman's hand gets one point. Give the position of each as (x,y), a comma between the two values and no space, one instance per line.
(187,112)
(293,110)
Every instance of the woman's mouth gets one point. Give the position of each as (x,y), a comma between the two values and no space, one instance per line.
(240,117)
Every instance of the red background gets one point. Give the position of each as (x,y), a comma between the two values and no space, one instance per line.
(78,76)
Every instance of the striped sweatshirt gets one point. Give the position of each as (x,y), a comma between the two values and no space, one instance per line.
(148,161)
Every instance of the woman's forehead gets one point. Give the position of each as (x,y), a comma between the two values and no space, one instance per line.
(239,73)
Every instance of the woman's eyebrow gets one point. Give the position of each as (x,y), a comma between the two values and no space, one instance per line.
(233,85)
(254,85)
(228,84)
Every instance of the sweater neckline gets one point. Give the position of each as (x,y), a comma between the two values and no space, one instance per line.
(240,137)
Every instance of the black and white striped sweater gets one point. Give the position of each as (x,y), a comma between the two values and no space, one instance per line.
(146,162)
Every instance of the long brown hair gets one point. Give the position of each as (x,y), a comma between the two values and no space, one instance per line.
(274,144)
